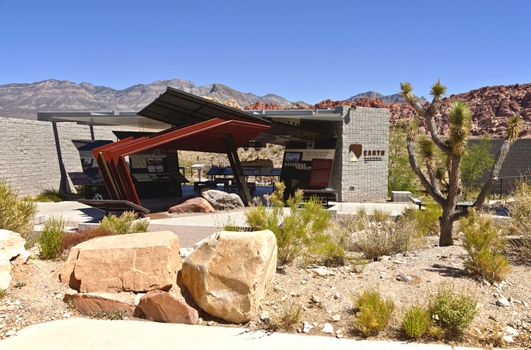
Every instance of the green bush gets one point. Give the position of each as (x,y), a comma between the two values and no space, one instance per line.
(416,322)
(50,240)
(119,225)
(372,312)
(301,231)
(485,248)
(16,213)
(50,195)
(453,311)
(426,219)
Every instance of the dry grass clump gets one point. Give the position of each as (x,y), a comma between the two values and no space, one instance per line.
(375,239)
(125,223)
(485,248)
(373,312)
(285,320)
(50,195)
(16,213)
(72,239)
(520,210)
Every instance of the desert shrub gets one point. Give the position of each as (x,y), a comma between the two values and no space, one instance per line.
(485,248)
(51,237)
(379,215)
(16,213)
(3,293)
(375,239)
(453,311)
(416,322)
(123,224)
(286,319)
(520,210)
(71,239)
(426,219)
(301,231)
(50,195)
(373,312)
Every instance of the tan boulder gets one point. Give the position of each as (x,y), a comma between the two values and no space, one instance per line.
(193,205)
(227,275)
(11,244)
(136,262)
(5,272)
(161,306)
(93,303)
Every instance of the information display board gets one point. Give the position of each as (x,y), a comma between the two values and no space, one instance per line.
(306,169)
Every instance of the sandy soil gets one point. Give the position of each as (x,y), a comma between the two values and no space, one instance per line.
(36,295)
(328,299)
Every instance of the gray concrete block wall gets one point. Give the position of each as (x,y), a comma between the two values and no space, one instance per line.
(28,155)
(364,180)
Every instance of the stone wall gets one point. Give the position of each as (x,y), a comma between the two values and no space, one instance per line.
(29,157)
(516,165)
(364,178)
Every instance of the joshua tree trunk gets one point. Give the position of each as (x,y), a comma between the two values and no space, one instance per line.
(443,183)
(446,224)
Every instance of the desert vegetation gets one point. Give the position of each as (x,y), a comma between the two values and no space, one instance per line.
(301,232)
(125,223)
(442,157)
(17,213)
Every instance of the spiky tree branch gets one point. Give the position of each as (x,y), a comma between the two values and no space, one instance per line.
(454,148)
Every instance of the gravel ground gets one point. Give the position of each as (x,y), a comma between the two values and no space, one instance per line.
(324,295)
(328,298)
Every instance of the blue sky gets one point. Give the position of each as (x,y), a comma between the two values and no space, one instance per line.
(303,50)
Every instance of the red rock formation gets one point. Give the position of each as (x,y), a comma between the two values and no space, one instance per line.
(491,107)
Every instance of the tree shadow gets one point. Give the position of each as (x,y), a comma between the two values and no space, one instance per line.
(448,271)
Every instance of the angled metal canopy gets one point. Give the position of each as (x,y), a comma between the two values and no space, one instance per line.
(178,108)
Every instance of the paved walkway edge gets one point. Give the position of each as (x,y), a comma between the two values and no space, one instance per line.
(88,334)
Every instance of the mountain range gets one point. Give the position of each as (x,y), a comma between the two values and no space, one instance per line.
(24,100)
(491,106)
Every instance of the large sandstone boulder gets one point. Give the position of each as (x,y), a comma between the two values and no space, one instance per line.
(94,303)
(135,262)
(11,244)
(222,200)
(5,272)
(228,273)
(161,306)
(193,205)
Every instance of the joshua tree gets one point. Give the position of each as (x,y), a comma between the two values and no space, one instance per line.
(442,180)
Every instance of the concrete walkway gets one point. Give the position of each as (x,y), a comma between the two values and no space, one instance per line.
(87,334)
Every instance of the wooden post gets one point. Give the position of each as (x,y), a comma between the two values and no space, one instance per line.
(237,170)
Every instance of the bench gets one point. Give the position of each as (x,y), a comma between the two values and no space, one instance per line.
(417,201)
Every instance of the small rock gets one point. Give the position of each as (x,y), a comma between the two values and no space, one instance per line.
(327,328)
(265,316)
(337,296)
(508,339)
(336,317)
(315,299)
(503,302)
(404,278)
(210,323)
(384,258)
(322,271)
(306,327)
(339,334)
(11,333)
(510,331)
